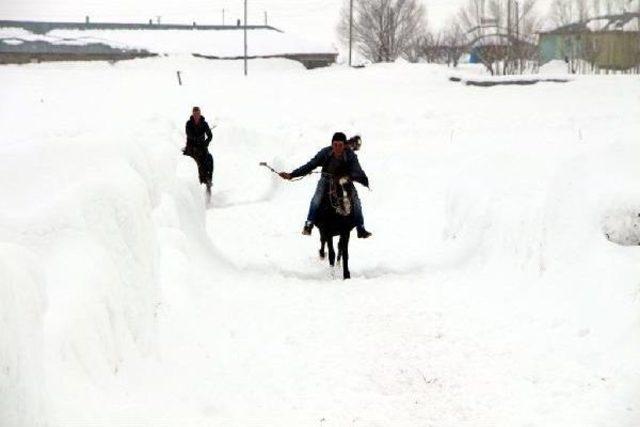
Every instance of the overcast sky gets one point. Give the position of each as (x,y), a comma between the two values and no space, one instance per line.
(314,19)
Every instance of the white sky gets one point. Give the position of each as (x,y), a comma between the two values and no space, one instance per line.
(313,19)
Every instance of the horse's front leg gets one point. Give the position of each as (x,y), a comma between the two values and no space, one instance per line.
(332,252)
(344,248)
(321,251)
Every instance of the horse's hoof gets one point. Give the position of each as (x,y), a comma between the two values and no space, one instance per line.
(347,276)
(322,255)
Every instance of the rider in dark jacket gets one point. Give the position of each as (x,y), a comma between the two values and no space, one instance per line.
(335,160)
(198,138)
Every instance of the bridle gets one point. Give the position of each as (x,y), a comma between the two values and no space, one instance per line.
(340,204)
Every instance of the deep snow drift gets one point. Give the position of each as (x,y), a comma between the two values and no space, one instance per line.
(489,295)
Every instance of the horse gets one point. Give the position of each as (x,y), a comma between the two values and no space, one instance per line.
(204,160)
(336,218)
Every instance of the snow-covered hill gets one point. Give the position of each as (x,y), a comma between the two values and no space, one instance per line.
(489,295)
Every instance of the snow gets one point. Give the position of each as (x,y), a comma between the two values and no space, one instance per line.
(16,36)
(554,67)
(221,43)
(14,42)
(489,294)
(631,25)
(597,24)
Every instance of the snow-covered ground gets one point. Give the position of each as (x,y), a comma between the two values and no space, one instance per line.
(488,296)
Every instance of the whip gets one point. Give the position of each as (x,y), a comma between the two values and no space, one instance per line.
(266,165)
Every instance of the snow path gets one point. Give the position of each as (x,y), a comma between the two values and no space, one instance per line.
(488,296)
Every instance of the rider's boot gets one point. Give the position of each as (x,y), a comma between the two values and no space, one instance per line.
(363,233)
(306,230)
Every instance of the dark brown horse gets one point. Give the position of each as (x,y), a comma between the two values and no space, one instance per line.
(336,219)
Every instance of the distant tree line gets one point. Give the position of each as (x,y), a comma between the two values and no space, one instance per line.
(500,33)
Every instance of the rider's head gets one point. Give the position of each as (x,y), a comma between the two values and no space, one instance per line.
(337,143)
(196,113)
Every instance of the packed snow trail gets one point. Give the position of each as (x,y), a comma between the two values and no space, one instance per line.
(488,296)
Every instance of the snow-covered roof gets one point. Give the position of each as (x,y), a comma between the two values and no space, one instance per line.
(228,43)
(491,40)
(498,39)
(622,22)
(18,36)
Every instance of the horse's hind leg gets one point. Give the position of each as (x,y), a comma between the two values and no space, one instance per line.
(344,247)
(332,252)
(339,250)
(321,251)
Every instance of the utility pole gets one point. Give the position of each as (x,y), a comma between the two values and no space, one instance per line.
(222,16)
(245,37)
(350,29)
(509,41)
(517,19)
(266,21)
(518,45)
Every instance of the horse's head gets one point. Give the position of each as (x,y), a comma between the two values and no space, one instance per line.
(340,195)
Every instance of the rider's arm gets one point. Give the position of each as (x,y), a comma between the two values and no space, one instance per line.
(189,132)
(311,164)
(207,130)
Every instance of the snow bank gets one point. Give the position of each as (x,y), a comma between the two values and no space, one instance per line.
(555,67)
(87,207)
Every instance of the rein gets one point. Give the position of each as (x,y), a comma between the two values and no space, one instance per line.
(341,205)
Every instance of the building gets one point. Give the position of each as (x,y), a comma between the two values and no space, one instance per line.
(609,42)
(495,49)
(31,41)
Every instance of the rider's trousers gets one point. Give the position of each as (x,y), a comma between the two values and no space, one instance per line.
(314,207)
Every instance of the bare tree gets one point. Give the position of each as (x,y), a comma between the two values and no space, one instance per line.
(500,32)
(563,12)
(471,16)
(478,17)
(384,30)
(455,42)
(433,48)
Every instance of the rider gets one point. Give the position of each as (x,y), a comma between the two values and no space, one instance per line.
(334,160)
(198,138)
(354,143)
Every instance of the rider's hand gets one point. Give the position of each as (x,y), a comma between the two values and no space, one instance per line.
(344,180)
(285,175)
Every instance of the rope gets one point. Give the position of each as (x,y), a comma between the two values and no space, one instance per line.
(334,199)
